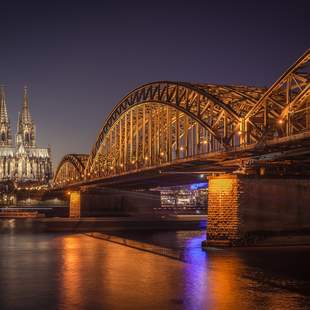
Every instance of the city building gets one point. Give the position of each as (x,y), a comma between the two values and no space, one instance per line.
(22,161)
(184,199)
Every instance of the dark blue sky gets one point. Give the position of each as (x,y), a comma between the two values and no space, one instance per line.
(79,58)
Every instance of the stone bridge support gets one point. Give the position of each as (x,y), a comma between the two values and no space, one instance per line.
(245,209)
(75,204)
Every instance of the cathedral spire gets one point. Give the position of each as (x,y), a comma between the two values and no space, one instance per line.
(26,132)
(5,131)
(25,115)
(3,110)
(18,126)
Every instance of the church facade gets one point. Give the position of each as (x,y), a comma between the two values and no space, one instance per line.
(22,161)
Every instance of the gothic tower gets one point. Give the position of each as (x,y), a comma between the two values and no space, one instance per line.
(26,131)
(5,130)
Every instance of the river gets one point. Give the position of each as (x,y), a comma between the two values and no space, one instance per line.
(73,271)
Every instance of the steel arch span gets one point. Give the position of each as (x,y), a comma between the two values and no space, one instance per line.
(187,119)
(163,122)
(71,168)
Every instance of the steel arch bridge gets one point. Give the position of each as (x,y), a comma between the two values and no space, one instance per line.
(166,122)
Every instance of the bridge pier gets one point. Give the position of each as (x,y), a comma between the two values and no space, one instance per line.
(75,204)
(243,210)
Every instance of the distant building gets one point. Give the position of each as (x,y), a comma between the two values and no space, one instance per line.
(24,161)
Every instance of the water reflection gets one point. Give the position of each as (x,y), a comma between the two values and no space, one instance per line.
(97,274)
(8,225)
(71,277)
(211,278)
(238,278)
(59,271)
(196,272)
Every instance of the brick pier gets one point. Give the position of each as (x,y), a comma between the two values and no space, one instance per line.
(244,208)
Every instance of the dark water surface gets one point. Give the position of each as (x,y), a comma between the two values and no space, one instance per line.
(74,271)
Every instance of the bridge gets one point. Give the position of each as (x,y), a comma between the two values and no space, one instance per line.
(251,143)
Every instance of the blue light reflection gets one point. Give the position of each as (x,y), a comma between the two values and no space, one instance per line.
(196,272)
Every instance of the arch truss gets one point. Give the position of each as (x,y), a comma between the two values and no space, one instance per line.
(70,169)
(166,121)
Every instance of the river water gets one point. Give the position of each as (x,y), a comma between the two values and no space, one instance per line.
(74,271)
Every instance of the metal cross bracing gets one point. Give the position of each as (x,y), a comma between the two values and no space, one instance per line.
(163,122)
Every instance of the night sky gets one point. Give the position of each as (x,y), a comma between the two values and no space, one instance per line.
(80,58)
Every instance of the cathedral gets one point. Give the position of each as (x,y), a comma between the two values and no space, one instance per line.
(23,161)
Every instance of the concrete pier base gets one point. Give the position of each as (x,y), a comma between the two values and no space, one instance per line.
(243,210)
